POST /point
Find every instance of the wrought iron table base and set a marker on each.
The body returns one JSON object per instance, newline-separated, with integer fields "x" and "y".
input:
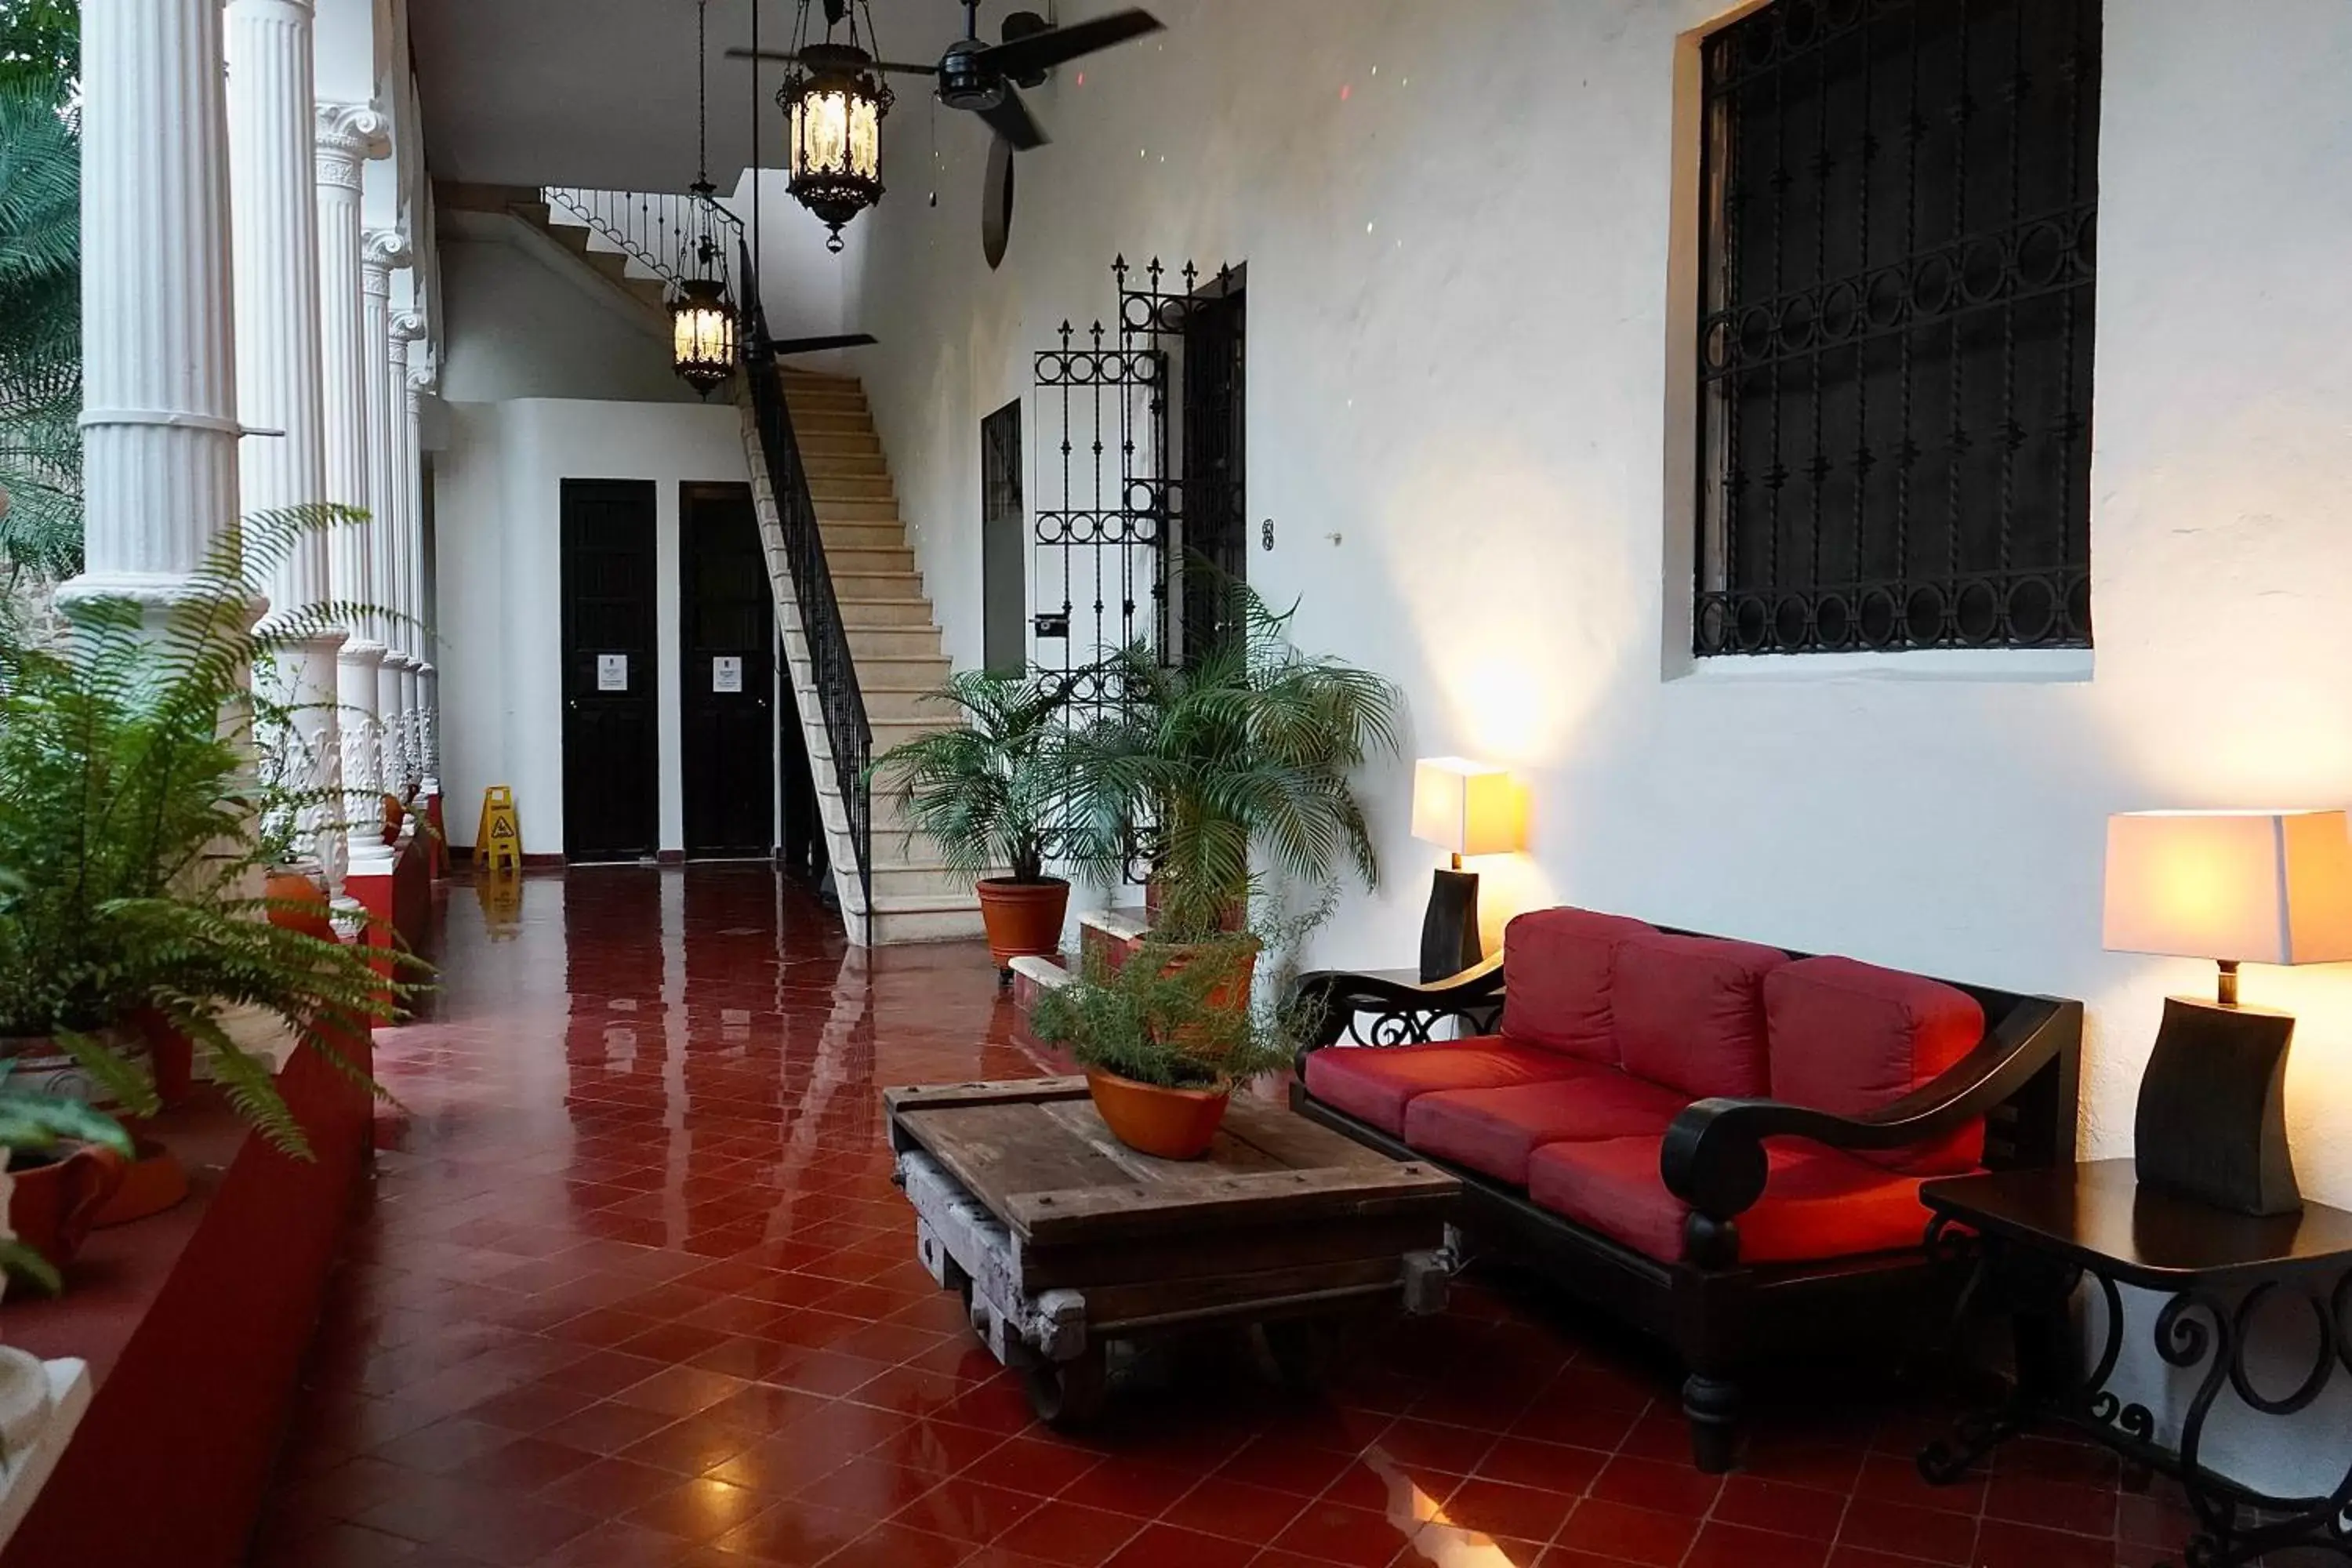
{"x": 2196, "y": 1326}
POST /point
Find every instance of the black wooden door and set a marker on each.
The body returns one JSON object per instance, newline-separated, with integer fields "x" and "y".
{"x": 727, "y": 660}
{"x": 1216, "y": 451}
{"x": 1004, "y": 545}
{"x": 610, "y": 769}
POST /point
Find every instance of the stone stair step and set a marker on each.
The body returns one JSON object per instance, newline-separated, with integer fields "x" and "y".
{"x": 830, "y": 510}
{"x": 876, "y": 642}
{"x": 864, "y": 536}
{"x": 858, "y": 586}
{"x": 914, "y": 921}
{"x": 864, "y": 560}
{"x": 834, "y": 484}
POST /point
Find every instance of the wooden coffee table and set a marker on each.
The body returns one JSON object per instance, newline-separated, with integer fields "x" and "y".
{"x": 1062, "y": 1239}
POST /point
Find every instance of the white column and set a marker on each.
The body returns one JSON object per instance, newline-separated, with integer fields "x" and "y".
{"x": 382, "y": 250}
{"x": 159, "y": 413}
{"x": 408, "y": 543}
{"x": 274, "y": 202}
{"x": 348, "y": 135}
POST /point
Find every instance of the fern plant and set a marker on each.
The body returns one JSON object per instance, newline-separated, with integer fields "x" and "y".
{"x": 130, "y": 811}
{"x": 1248, "y": 748}
{"x": 1168, "y": 1016}
{"x": 990, "y": 791}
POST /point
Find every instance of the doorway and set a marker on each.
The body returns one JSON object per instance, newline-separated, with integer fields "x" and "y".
{"x": 611, "y": 754}
{"x": 1004, "y": 545}
{"x": 1215, "y": 470}
{"x": 727, "y": 642}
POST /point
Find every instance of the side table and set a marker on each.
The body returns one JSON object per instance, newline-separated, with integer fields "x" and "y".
{"x": 2038, "y": 1235}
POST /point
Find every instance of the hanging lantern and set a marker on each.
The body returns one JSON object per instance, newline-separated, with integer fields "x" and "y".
{"x": 833, "y": 103}
{"x": 702, "y": 333}
{"x": 701, "y": 316}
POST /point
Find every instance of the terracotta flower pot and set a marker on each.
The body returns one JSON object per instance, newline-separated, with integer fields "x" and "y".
{"x": 1169, "y": 1123}
{"x": 171, "y": 1056}
{"x": 1023, "y": 919}
{"x": 56, "y": 1201}
{"x": 297, "y": 902}
{"x": 1233, "y": 918}
{"x": 152, "y": 1182}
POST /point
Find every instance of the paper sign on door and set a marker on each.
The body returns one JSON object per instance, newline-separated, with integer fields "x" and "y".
{"x": 727, "y": 672}
{"x": 612, "y": 673}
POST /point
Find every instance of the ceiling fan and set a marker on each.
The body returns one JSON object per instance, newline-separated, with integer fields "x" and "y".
{"x": 985, "y": 79}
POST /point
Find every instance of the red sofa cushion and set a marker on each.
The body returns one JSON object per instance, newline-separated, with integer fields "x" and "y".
{"x": 1556, "y": 970}
{"x": 1689, "y": 1012}
{"x": 1817, "y": 1203}
{"x": 1375, "y": 1083}
{"x": 1849, "y": 1037}
{"x": 1493, "y": 1131}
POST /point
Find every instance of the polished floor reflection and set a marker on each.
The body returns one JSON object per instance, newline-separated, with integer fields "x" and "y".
{"x": 633, "y": 1290}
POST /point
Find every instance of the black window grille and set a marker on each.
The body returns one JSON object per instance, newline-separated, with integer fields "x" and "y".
{"x": 1898, "y": 244}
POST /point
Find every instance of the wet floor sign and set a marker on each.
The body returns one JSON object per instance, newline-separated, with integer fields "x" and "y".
{"x": 497, "y": 843}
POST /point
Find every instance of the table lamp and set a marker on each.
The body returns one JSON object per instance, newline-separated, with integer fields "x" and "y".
{"x": 1470, "y": 808}
{"x": 2237, "y": 887}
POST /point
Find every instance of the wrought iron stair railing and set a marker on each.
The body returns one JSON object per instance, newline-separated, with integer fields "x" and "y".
{"x": 849, "y": 732}
{"x": 658, "y": 231}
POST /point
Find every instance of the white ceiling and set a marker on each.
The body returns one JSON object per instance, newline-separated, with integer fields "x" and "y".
{"x": 602, "y": 92}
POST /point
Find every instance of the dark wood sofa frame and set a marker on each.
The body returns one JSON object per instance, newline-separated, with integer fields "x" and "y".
{"x": 1721, "y": 1317}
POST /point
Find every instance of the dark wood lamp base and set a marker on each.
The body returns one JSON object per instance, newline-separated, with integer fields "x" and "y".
{"x": 2212, "y": 1108}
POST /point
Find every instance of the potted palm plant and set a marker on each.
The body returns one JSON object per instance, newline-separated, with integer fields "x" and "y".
{"x": 132, "y": 817}
{"x": 1245, "y": 750}
{"x": 1162, "y": 1040}
{"x": 988, "y": 792}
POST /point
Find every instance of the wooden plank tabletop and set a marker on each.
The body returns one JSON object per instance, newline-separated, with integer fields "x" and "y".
{"x": 1037, "y": 1154}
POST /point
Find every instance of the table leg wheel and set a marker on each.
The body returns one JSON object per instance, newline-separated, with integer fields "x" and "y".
{"x": 1069, "y": 1393}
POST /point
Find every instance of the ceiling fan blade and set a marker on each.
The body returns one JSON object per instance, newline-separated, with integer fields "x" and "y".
{"x": 818, "y": 345}
{"x": 1042, "y": 51}
{"x": 902, "y": 68}
{"x": 1012, "y": 120}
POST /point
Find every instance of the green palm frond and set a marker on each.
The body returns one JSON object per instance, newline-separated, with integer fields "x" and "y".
{"x": 1247, "y": 751}
{"x": 990, "y": 789}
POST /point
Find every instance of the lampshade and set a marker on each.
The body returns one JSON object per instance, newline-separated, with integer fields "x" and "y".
{"x": 1469, "y": 807}
{"x": 2251, "y": 887}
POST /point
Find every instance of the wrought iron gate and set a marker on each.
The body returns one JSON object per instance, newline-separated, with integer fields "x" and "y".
{"x": 1127, "y": 491}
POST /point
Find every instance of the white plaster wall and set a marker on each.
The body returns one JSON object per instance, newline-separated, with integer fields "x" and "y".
{"x": 522, "y": 324}
{"x": 497, "y": 495}
{"x": 1456, "y": 227}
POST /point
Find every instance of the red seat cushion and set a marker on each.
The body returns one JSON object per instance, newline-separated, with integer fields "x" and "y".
{"x": 1689, "y": 1012}
{"x": 1556, "y": 969}
{"x": 1817, "y": 1203}
{"x": 1375, "y": 1083}
{"x": 1849, "y": 1037}
{"x": 1493, "y": 1131}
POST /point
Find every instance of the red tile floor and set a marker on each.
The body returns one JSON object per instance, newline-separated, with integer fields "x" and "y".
{"x": 633, "y": 1290}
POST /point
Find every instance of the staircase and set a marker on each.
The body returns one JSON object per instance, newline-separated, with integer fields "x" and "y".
{"x": 567, "y": 229}
{"x": 893, "y": 642}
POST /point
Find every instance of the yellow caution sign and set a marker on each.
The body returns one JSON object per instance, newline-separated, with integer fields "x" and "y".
{"x": 497, "y": 843}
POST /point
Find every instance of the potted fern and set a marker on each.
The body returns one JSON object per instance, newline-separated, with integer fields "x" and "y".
{"x": 1245, "y": 750}
{"x": 1165, "y": 1035}
{"x": 988, "y": 792}
{"x": 132, "y": 817}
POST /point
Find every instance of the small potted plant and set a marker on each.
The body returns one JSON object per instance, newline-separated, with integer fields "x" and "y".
{"x": 988, "y": 792}
{"x": 1165, "y": 1034}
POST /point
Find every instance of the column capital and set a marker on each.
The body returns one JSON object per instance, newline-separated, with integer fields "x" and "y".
{"x": 348, "y": 134}
{"x": 381, "y": 251}
{"x": 407, "y": 326}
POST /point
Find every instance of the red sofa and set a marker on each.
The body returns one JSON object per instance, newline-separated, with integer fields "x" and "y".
{"x": 1722, "y": 1142}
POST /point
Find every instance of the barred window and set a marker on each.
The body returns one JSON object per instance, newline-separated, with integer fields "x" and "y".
{"x": 1898, "y": 243}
